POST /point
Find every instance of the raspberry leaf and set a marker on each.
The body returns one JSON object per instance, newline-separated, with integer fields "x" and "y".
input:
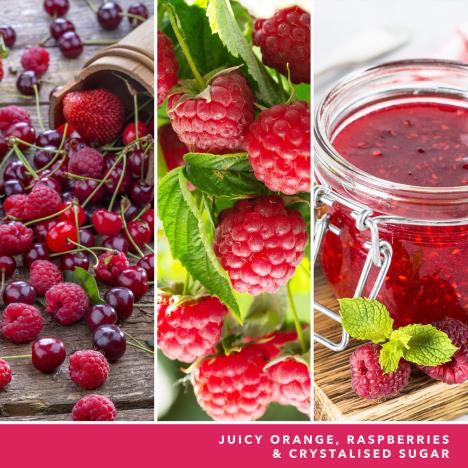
{"x": 87, "y": 282}
{"x": 223, "y": 176}
{"x": 427, "y": 346}
{"x": 366, "y": 319}
{"x": 189, "y": 241}
{"x": 390, "y": 356}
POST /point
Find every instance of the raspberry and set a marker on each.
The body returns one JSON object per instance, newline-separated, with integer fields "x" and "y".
{"x": 97, "y": 115}
{"x": 5, "y": 374}
{"x": 167, "y": 67}
{"x": 86, "y": 162}
{"x": 66, "y": 302}
{"x": 14, "y": 206}
{"x": 15, "y": 238}
{"x": 11, "y": 115}
{"x": 455, "y": 371}
{"x": 21, "y": 323}
{"x": 368, "y": 379}
{"x": 259, "y": 243}
{"x": 191, "y": 329}
{"x": 35, "y": 59}
{"x": 43, "y": 275}
{"x": 234, "y": 387}
{"x": 94, "y": 408}
{"x": 88, "y": 369}
{"x": 42, "y": 201}
{"x": 285, "y": 40}
{"x": 216, "y": 123}
{"x": 292, "y": 380}
{"x": 110, "y": 265}
{"x": 278, "y": 145}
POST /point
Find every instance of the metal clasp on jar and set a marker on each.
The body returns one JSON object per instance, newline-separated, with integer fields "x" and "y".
{"x": 379, "y": 253}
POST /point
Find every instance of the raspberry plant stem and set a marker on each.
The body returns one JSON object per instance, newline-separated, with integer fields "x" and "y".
{"x": 297, "y": 323}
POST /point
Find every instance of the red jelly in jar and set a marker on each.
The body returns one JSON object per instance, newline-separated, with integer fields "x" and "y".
{"x": 394, "y": 140}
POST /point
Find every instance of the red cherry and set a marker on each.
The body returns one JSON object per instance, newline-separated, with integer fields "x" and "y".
{"x": 100, "y": 314}
{"x": 106, "y": 222}
{"x": 139, "y": 232}
{"x": 135, "y": 279}
{"x": 148, "y": 217}
{"x": 147, "y": 263}
{"x": 69, "y": 216}
{"x": 74, "y": 259}
{"x": 23, "y": 131}
{"x": 87, "y": 238}
{"x": 130, "y": 132}
{"x": 138, "y": 163}
{"x": 48, "y": 354}
{"x": 116, "y": 243}
{"x": 7, "y": 266}
{"x": 19, "y": 291}
{"x": 111, "y": 341}
{"x": 39, "y": 251}
{"x": 141, "y": 193}
{"x": 57, "y": 237}
{"x": 121, "y": 299}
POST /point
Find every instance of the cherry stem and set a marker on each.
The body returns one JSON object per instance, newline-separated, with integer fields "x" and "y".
{"x": 86, "y": 249}
{"x": 135, "y": 342}
{"x": 145, "y": 304}
{"x": 135, "y": 107}
{"x": 140, "y": 213}
{"x": 46, "y": 218}
{"x": 38, "y": 109}
{"x": 45, "y": 40}
{"x": 5, "y": 159}
{"x": 143, "y": 348}
{"x": 131, "y": 15}
{"x": 297, "y": 322}
{"x": 149, "y": 248}
{"x": 130, "y": 238}
{"x": 82, "y": 248}
{"x": 91, "y": 5}
{"x": 19, "y": 356}
{"x": 25, "y": 162}
{"x": 117, "y": 189}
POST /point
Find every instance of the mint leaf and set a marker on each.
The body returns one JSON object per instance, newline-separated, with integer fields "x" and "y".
{"x": 366, "y": 319}
{"x": 189, "y": 240}
{"x": 390, "y": 356}
{"x": 223, "y": 176}
{"x": 428, "y": 346}
{"x": 87, "y": 281}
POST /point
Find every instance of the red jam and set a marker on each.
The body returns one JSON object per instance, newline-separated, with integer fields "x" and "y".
{"x": 418, "y": 144}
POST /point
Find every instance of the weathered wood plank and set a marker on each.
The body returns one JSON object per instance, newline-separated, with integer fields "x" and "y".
{"x": 122, "y": 415}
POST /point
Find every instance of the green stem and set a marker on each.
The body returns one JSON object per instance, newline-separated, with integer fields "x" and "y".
{"x": 19, "y": 356}
{"x": 135, "y": 107}
{"x": 24, "y": 160}
{"x": 38, "y": 110}
{"x": 86, "y": 249}
{"x": 297, "y": 323}
{"x": 46, "y": 218}
{"x": 91, "y": 5}
{"x": 117, "y": 189}
{"x": 129, "y": 236}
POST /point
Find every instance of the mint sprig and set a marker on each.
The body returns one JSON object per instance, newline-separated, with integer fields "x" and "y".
{"x": 369, "y": 320}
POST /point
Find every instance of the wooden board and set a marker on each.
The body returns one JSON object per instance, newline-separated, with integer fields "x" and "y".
{"x": 31, "y": 395}
{"x": 423, "y": 399}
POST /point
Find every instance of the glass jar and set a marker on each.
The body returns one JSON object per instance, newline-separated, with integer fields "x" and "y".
{"x": 424, "y": 229}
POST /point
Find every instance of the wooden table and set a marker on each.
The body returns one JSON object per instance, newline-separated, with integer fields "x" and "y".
{"x": 31, "y": 394}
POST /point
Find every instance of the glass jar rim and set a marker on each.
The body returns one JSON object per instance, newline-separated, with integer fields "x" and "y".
{"x": 332, "y": 160}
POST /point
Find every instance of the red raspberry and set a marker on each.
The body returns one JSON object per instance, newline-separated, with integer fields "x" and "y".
{"x": 86, "y": 162}
{"x": 292, "y": 380}
{"x": 167, "y": 67}
{"x": 110, "y": 265}
{"x": 15, "y": 238}
{"x": 5, "y": 374}
{"x": 66, "y": 302}
{"x": 368, "y": 379}
{"x": 455, "y": 371}
{"x": 259, "y": 243}
{"x": 278, "y": 145}
{"x": 234, "y": 387}
{"x": 285, "y": 39}
{"x": 88, "y": 369}
{"x": 42, "y": 201}
{"x": 216, "y": 123}
{"x": 94, "y": 408}
{"x": 14, "y": 206}
{"x": 191, "y": 329}
{"x": 21, "y": 323}
{"x": 35, "y": 59}
{"x": 97, "y": 115}
{"x": 43, "y": 275}
{"x": 11, "y": 115}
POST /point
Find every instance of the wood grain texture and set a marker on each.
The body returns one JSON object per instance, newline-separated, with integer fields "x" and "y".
{"x": 423, "y": 399}
{"x": 32, "y": 395}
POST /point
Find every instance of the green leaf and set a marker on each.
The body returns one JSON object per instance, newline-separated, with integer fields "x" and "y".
{"x": 366, "y": 319}
{"x": 223, "y": 176}
{"x": 87, "y": 281}
{"x": 223, "y": 22}
{"x": 187, "y": 236}
{"x": 428, "y": 346}
{"x": 390, "y": 356}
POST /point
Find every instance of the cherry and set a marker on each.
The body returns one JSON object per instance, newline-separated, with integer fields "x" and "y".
{"x": 114, "y": 178}
{"x": 23, "y": 131}
{"x": 17, "y": 170}
{"x": 51, "y": 181}
{"x": 74, "y": 259}
{"x": 109, "y": 15}
{"x": 87, "y": 238}
{"x": 39, "y": 251}
{"x": 116, "y": 243}
{"x": 148, "y": 217}
{"x": 13, "y": 187}
{"x": 135, "y": 279}
{"x": 26, "y": 82}
{"x": 57, "y": 237}
{"x": 48, "y": 354}
{"x": 110, "y": 340}
{"x": 138, "y": 162}
{"x": 129, "y": 134}
{"x": 139, "y": 232}
{"x": 58, "y": 168}
{"x": 74, "y": 210}
{"x": 131, "y": 212}
{"x": 60, "y": 26}
{"x": 70, "y": 45}
{"x": 106, "y": 222}
{"x": 49, "y": 138}
{"x": 43, "y": 156}
{"x": 19, "y": 291}
{"x": 147, "y": 263}
{"x": 41, "y": 229}
{"x": 56, "y": 7}
{"x": 9, "y": 36}
{"x": 141, "y": 193}
{"x": 101, "y": 314}
{"x": 137, "y": 9}
{"x": 7, "y": 266}
{"x": 83, "y": 188}
{"x": 70, "y": 129}
{"x": 122, "y": 300}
